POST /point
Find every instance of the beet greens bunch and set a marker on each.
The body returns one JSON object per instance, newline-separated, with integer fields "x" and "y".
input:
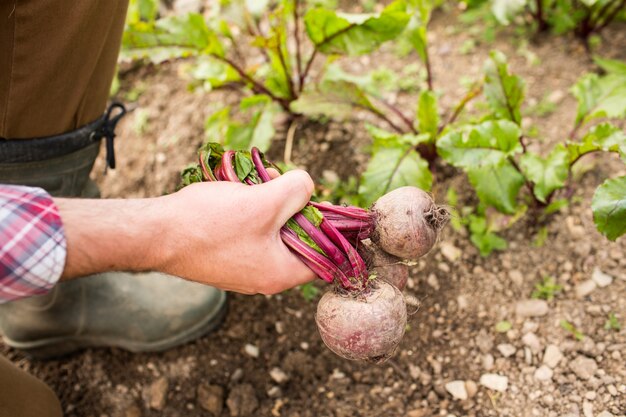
{"x": 364, "y": 318}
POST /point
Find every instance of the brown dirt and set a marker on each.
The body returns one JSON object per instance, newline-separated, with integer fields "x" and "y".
{"x": 451, "y": 336}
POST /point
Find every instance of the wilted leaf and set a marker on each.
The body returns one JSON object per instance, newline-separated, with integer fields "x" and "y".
{"x": 609, "y": 207}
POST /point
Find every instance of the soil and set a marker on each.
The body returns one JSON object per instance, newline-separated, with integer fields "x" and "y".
{"x": 460, "y": 295}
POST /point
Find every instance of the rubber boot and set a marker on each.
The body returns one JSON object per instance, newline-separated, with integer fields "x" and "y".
{"x": 137, "y": 312}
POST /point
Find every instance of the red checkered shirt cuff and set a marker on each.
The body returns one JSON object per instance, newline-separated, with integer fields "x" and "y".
{"x": 34, "y": 248}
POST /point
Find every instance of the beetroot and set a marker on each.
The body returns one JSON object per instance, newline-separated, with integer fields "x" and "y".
{"x": 407, "y": 222}
{"x": 364, "y": 317}
{"x": 404, "y": 222}
{"x": 363, "y": 326}
{"x": 384, "y": 266}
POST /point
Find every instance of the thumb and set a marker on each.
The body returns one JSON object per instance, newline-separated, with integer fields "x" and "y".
{"x": 287, "y": 194}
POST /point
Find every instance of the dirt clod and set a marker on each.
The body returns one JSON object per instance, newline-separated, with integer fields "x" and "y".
{"x": 157, "y": 393}
{"x": 242, "y": 401}
{"x": 211, "y": 398}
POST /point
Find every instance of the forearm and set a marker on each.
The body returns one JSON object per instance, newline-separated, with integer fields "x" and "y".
{"x": 105, "y": 235}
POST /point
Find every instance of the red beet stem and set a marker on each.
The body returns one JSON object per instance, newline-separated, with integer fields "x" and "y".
{"x": 319, "y": 264}
{"x": 358, "y": 266}
{"x": 258, "y": 164}
{"x": 227, "y": 167}
{"x": 326, "y": 245}
{"x": 206, "y": 171}
{"x": 350, "y": 212}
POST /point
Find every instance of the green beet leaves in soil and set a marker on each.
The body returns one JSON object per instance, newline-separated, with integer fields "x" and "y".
{"x": 394, "y": 164}
{"x": 170, "y": 37}
{"x": 609, "y": 207}
{"x": 354, "y": 34}
{"x": 600, "y": 97}
{"x": 336, "y": 99}
{"x": 488, "y": 143}
{"x": 504, "y": 91}
{"x": 547, "y": 174}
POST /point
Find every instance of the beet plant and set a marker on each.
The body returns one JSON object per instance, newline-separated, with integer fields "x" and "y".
{"x": 584, "y": 18}
{"x": 364, "y": 317}
{"x": 501, "y": 161}
{"x": 270, "y": 51}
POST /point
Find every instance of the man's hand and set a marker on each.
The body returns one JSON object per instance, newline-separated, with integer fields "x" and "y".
{"x": 218, "y": 233}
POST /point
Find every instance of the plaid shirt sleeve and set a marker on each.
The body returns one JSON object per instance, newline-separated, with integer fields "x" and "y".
{"x": 32, "y": 256}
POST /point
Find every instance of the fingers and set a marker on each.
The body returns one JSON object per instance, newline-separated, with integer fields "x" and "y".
{"x": 273, "y": 173}
{"x": 287, "y": 194}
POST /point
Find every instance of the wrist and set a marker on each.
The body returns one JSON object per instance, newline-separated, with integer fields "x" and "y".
{"x": 106, "y": 235}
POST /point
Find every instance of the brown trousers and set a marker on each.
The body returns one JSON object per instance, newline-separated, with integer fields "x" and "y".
{"x": 23, "y": 395}
{"x": 57, "y": 61}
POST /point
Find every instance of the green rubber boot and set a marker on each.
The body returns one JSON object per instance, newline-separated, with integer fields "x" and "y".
{"x": 136, "y": 312}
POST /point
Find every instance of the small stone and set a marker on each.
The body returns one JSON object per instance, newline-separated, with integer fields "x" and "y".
{"x": 457, "y": 390}
{"x": 587, "y": 409}
{"x": 543, "y": 373}
{"x": 462, "y": 301}
{"x": 450, "y": 252}
{"x": 471, "y": 388}
{"x": 506, "y": 349}
{"x": 600, "y": 278}
{"x": 422, "y": 412}
{"x": 484, "y": 341}
{"x": 574, "y": 228}
{"x": 531, "y": 308}
{"x": 552, "y": 356}
{"x": 433, "y": 281}
{"x": 516, "y": 277}
{"x": 590, "y": 395}
{"x": 488, "y": 362}
{"x": 337, "y": 374}
{"x": 242, "y": 401}
{"x": 494, "y": 382}
{"x": 274, "y": 392}
{"x": 251, "y": 350}
{"x": 583, "y": 367}
{"x": 612, "y": 390}
{"x": 211, "y": 398}
{"x": 237, "y": 375}
{"x": 157, "y": 393}
{"x": 532, "y": 341}
{"x": 585, "y": 288}
{"x": 605, "y": 414}
{"x": 436, "y": 365}
{"x": 414, "y": 371}
{"x": 278, "y": 375}
{"x": 280, "y": 327}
